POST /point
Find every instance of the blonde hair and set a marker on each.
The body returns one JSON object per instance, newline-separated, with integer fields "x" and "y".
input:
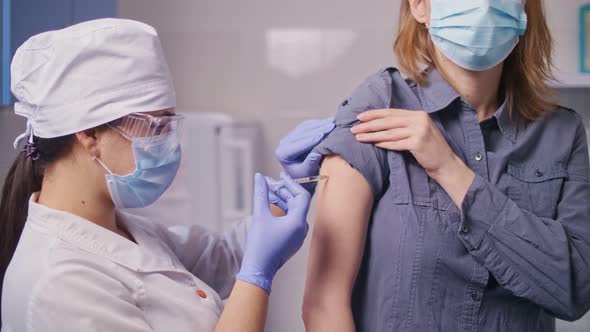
{"x": 527, "y": 70}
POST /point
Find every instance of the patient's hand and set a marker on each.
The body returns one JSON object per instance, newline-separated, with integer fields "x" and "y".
{"x": 414, "y": 131}
{"x": 402, "y": 130}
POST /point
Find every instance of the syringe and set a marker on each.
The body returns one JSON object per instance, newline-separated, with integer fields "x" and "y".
{"x": 309, "y": 179}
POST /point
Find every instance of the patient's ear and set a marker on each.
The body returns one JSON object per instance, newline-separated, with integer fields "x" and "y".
{"x": 420, "y": 10}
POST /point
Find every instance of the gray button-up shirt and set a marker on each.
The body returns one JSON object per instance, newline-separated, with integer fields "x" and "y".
{"x": 517, "y": 252}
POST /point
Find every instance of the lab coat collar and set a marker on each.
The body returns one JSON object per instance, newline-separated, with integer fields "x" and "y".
{"x": 146, "y": 255}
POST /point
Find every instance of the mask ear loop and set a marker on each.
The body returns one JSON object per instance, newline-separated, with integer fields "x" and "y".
{"x": 94, "y": 157}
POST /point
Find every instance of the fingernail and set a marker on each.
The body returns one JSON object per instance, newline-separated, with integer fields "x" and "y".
{"x": 354, "y": 129}
{"x": 361, "y": 116}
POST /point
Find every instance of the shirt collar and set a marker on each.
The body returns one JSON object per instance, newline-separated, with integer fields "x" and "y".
{"x": 142, "y": 256}
{"x": 508, "y": 126}
{"x": 438, "y": 94}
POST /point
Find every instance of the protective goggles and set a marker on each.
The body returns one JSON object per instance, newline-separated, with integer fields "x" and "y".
{"x": 140, "y": 125}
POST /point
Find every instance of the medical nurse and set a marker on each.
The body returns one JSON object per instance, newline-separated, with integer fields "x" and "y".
{"x": 102, "y": 136}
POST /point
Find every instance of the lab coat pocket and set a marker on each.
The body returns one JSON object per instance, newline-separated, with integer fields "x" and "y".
{"x": 174, "y": 300}
{"x": 536, "y": 186}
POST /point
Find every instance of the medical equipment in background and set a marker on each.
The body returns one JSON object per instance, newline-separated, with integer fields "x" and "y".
{"x": 213, "y": 187}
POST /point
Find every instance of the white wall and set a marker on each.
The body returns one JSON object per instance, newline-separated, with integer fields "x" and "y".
{"x": 278, "y": 62}
{"x": 259, "y": 59}
{"x": 563, "y": 18}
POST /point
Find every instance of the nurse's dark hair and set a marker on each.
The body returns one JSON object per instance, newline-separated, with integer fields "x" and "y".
{"x": 527, "y": 72}
{"x": 23, "y": 179}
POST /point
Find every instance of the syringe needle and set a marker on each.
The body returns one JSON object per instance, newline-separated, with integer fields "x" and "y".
{"x": 308, "y": 179}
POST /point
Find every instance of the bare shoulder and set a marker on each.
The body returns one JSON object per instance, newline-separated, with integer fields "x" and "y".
{"x": 343, "y": 179}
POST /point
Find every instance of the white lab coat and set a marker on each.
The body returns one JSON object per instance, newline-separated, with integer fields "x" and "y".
{"x": 69, "y": 274}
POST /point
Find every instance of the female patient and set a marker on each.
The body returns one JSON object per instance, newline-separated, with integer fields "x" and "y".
{"x": 458, "y": 199}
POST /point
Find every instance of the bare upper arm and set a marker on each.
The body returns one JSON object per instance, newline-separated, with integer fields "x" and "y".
{"x": 343, "y": 209}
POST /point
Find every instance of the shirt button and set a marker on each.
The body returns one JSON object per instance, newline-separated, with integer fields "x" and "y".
{"x": 345, "y": 102}
{"x": 539, "y": 173}
{"x": 464, "y": 229}
{"x": 201, "y": 294}
{"x": 478, "y": 156}
{"x": 475, "y": 296}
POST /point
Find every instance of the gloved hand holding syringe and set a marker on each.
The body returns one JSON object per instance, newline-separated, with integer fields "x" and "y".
{"x": 276, "y": 185}
{"x": 308, "y": 179}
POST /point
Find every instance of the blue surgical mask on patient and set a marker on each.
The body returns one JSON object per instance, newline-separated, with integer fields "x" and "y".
{"x": 157, "y": 160}
{"x": 477, "y": 34}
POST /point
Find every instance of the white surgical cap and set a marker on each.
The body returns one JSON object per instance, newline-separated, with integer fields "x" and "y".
{"x": 89, "y": 74}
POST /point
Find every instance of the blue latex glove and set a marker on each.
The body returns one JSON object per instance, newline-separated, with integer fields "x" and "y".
{"x": 294, "y": 149}
{"x": 273, "y": 240}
